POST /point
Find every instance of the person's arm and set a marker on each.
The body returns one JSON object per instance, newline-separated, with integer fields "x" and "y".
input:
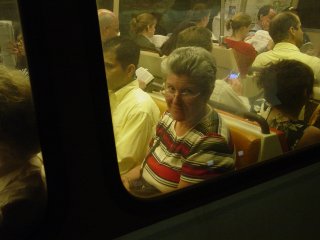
{"x": 316, "y": 69}
{"x": 133, "y": 174}
{"x": 213, "y": 158}
{"x": 132, "y": 142}
{"x": 311, "y": 135}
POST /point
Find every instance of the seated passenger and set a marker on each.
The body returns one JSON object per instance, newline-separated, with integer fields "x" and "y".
{"x": 22, "y": 187}
{"x": 196, "y": 37}
{"x": 287, "y": 87}
{"x": 244, "y": 52}
{"x": 169, "y": 45}
{"x": 307, "y": 46}
{"x": 108, "y": 23}
{"x": 285, "y": 30}
{"x": 192, "y": 142}
{"x": 134, "y": 113}
{"x": 227, "y": 91}
{"x": 199, "y": 14}
{"x": 259, "y": 36}
{"x": 142, "y": 29}
{"x": 264, "y": 16}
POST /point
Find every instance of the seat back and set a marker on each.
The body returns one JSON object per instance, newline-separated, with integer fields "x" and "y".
{"x": 250, "y": 143}
{"x": 160, "y": 101}
{"x": 244, "y": 62}
{"x": 225, "y": 61}
{"x": 152, "y": 62}
{"x": 250, "y": 86}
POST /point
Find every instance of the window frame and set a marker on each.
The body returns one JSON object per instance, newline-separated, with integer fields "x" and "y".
{"x": 82, "y": 176}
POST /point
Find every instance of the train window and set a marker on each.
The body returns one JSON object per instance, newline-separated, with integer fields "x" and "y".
{"x": 22, "y": 175}
{"x": 162, "y": 135}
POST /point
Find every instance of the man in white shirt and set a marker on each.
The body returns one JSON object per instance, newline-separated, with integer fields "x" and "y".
{"x": 259, "y": 36}
{"x": 265, "y": 15}
{"x": 285, "y": 30}
{"x": 134, "y": 113}
{"x": 108, "y": 23}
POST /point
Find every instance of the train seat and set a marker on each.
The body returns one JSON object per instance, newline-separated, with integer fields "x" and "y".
{"x": 225, "y": 60}
{"x": 159, "y": 100}
{"x": 247, "y": 147}
{"x": 152, "y": 62}
{"x": 251, "y": 143}
{"x": 316, "y": 93}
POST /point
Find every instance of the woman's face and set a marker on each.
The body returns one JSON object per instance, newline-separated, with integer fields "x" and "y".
{"x": 244, "y": 30}
{"x": 151, "y": 30}
{"x": 184, "y": 98}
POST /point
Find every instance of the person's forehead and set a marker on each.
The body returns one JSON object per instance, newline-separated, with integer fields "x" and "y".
{"x": 271, "y": 13}
{"x": 181, "y": 78}
{"x": 110, "y": 56}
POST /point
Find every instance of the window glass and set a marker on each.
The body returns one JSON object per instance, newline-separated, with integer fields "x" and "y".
{"x": 22, "y": 175}
{"x": 190, "y": 103}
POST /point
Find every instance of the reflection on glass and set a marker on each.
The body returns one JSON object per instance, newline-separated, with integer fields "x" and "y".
{"x": 171, "y": 160}
{"x": 22, "y": 176}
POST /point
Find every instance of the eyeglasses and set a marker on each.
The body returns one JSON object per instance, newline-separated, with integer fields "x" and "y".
{"x": 185, "y": 94}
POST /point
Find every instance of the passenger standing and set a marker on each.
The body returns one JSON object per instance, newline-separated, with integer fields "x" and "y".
{"x": 134, "y": 113}
{"x": 142, "y": 30}
{"x": 108, "y": 23}
{"x": 244, "y": 52}
{"x": 285, "y": 30}
{"x": 192, "y": 142}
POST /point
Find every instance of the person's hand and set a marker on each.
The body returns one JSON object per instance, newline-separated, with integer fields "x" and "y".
{"x": 16, "y": 48}
{"x": 126, "y": 182}
{"x": 236, "y": 85}
{"x": 12, "y": 48}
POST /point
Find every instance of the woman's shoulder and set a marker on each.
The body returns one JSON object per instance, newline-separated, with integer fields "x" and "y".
{"x": 213, "y": 126}
{"x": 241, "y": 46}
{"x": 144, "y": 43}
{"x": 311, "y": 135}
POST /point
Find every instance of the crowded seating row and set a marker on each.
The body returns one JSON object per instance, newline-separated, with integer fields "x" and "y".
{"x": 187, "y": 139}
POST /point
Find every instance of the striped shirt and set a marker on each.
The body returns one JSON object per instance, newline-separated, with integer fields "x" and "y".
{"x": 205, "y": 151}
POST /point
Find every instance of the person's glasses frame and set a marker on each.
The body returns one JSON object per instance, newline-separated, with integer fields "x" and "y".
{"x": 170, "y": 92}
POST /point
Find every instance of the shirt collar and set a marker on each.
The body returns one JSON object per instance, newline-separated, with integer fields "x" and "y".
{"x": 286, "y": 45}
{"x": 116, "y": 97}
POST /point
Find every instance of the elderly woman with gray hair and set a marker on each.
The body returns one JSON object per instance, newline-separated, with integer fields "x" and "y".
{"x": 192, "y": 143}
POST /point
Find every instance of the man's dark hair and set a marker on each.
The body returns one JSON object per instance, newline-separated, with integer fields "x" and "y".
{"x": 264, "y": 10}
{"x": 126, "y": 50}
{"x": 280, "y": 25}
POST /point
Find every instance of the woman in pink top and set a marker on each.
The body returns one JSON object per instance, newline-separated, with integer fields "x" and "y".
{"x": 244, "y": 52}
